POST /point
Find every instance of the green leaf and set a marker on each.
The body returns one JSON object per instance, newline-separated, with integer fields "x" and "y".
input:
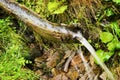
{"x": 100, "y": 55}
{"x": 107, "y": 56}
{"x": 109, "y": 12}
{"x": 52, "y": 6}
{"x": 111, "y": 46}
{"x": 118, "y": 53}
{"x": 103, "y": 56}
{"x": 118, "y": 45}
{"x": 117, "y": 31}
{"x": 114, "y": 25}
{"x": 106, "y": 37}
{"x": 117, "y": 1}
{"x": 56, "y": 7}
{"x": 60, "y": 10}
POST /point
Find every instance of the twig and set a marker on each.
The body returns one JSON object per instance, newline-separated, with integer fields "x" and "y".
{"x": 68, "y": 62}
{"x": 87, "y": 67}
{"x": 93, "y": 53}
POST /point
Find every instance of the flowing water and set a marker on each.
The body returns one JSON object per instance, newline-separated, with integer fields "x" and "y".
{"x": 29, "y": 16}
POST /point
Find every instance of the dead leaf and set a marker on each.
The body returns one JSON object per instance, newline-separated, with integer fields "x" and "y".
{"x": 76, "y": 60}
{"x": 55, "y": 72}
{"x": 39, "y": 72}
{"x": 91, "y": 60}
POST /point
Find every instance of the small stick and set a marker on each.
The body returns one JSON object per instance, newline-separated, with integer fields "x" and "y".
{"x": 68, "y": 62}
{"x": 87, "y": 67}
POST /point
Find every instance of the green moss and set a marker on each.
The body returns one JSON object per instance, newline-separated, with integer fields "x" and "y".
{"x": 12, "y": 54}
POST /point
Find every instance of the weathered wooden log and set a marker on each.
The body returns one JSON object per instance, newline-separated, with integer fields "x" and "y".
{"x": 44, "y": 28}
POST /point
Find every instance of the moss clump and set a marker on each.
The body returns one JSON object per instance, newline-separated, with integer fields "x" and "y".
{"x": 12, "y": 54}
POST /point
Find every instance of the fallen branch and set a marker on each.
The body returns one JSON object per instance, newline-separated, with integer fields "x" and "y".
{"x": 44, "y": 28}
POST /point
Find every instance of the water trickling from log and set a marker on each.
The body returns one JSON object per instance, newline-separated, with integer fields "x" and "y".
{"x": 29, "y": 16}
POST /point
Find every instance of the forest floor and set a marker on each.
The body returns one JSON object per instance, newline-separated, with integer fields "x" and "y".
{"x": 63, "y": 61}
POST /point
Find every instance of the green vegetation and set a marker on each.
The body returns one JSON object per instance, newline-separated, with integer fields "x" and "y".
{"x": 48, "y": 9}
{"x": 106, "y": 37}
{"x": 110, "y": 36}
{"x": 111, "y": 40}
{"x": 56, "y": 7}
{"x": 107, "y": 43}
{"x": 12, "y": 54}
{"x": 117, "y": 1}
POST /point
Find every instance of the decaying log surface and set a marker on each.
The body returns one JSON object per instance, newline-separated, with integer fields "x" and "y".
{"x": 44, "y": 28}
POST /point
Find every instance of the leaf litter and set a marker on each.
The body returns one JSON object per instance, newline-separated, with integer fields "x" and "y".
{"x": 67, "y": 64}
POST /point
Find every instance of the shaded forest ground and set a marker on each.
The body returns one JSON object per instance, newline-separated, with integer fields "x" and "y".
{"x": 91, "y": 18}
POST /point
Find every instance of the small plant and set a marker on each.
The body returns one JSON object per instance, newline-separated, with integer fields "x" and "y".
{"x": 111, "y": 40}
{"x": 106, "y": 37}
{"x": 56, "y": 7}
{"x": 116, "y": 1}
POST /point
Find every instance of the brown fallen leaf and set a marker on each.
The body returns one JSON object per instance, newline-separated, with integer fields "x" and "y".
{"x": 76, "y": 60}
{"x": 92, "y": 60}
{"x": 55, "y": 72}
{"x": 38, "y": 72}
{"x": 78, "y": 64}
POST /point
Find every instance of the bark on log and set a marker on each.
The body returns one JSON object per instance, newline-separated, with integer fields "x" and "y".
{"x": 44, "y": 28}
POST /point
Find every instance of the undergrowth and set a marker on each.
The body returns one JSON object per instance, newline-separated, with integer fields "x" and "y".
{"x": 12, "y": 54}
{"x": 110, "y": 35}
